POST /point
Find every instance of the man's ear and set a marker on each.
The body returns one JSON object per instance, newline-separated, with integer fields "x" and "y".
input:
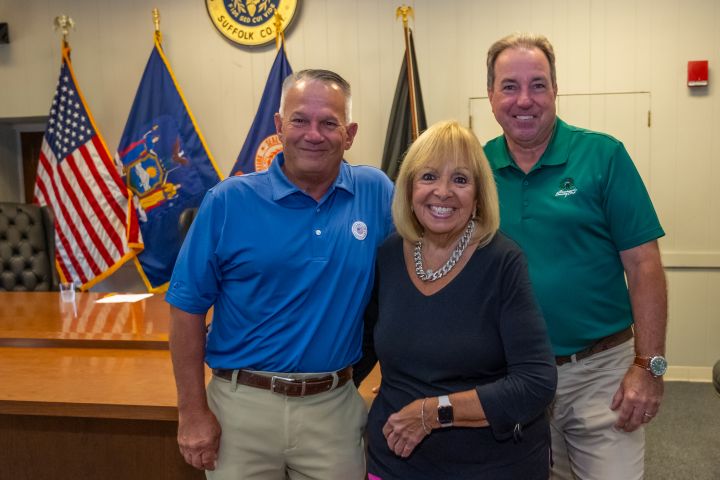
{"x": 351, "y": 130}
{"x": 278, "y": 124}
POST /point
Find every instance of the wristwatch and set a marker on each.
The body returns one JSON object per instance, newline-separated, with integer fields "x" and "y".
{"x": 445, "y": 415}
{"x": 656, "y": 365}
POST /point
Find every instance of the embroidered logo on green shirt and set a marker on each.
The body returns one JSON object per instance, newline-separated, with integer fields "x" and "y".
{"x": 567, "y": 187}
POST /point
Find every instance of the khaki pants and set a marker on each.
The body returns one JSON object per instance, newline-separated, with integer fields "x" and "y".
{"x": 585, "y": 443}
{"x": 267, "y": 436}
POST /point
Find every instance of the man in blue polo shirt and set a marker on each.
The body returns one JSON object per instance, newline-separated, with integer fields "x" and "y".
{"x": 286, "y": 259}
{"x": 575, "y": 203}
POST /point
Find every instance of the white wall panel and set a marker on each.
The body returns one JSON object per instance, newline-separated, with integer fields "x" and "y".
{"x": 694, "y": 329}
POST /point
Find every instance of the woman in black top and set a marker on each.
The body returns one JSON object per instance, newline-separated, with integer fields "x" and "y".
{"x": 467, "y": 370}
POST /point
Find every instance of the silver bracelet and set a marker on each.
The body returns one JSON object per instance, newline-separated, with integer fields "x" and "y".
{"x": 422, "y": 418}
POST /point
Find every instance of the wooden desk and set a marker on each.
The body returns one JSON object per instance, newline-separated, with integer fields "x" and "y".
{"x": 87, "y": 382}
{"x": 370, "y": 382}
{"x": 40, "y": 319}
{"x": 93, "y": 413}
{"x": 105, "y": 410}
{"x": 88, "y": 413}
{"x": 97, "y": 411}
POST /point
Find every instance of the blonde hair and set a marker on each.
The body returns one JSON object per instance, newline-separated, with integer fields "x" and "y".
{"x": 451, "y": 142}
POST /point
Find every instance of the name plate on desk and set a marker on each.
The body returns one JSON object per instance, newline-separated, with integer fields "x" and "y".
{"x": 124, "y": 297}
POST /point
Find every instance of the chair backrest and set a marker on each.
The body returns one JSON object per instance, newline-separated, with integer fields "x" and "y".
{"x": 27, "y": 248}
{"x": 186, "y": 219}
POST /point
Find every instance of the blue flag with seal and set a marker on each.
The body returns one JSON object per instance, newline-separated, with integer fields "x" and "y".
{"x": 262, "y": 143}
{"x": 166, "y": 164}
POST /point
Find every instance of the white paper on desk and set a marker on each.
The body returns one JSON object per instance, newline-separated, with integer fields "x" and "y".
{"x": 124, "y": 298}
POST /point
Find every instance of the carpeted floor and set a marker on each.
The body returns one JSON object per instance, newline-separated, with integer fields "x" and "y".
{"x": 683, "y": 442}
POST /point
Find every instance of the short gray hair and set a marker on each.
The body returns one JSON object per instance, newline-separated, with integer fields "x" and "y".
{"x": 325, "y": 76}
{"x": 520, "y": 40}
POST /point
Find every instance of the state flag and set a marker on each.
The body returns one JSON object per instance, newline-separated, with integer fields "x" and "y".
{"x": 166, "y": 164}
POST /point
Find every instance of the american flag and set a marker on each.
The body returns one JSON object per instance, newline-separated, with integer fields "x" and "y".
{"x": 94, "y": 230}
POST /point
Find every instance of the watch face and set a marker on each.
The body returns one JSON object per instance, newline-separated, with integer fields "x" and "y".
{"x": 658, "y": 366}
{"x": 445, "y": 415}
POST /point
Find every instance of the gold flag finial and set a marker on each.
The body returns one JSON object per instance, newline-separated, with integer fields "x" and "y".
{"x": 404, "y": 12}
{"x": 156, "y": 22}
{"x": 279, "y": 34}
{"x": 64, "y": 24}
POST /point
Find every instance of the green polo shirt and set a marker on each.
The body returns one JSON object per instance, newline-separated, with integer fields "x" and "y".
{"x": 580, "y": 205}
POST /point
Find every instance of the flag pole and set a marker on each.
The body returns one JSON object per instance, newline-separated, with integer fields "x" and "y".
{"x": 405, "y": 11}
{"x": 279, "y": 34}
{"x": 156, "y": 22}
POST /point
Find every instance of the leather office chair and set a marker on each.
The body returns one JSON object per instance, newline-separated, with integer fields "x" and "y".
{"x": 185, "y": 220}
{"x": 27, "y": 248}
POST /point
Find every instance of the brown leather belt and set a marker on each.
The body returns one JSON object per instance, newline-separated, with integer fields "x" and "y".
{"x": 292, "y": 387}
{"x": 601, "y": 345}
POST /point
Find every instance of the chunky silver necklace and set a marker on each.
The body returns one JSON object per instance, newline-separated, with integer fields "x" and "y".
{"x": 430, "y": 276}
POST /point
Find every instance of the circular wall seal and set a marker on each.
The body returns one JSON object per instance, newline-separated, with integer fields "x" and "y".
{"x": 250, "y": 22}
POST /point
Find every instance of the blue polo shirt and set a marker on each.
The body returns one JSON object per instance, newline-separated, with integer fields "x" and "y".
{"x": 579, "y": 206}
{"x": 289, "y": 277}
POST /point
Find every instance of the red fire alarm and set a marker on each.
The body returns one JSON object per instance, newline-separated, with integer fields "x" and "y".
{"x": 697, "y": 73}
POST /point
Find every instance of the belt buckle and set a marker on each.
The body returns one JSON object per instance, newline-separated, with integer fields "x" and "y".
{"x": 285, "y": 381}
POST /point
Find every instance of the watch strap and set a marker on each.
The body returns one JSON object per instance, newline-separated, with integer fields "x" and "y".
{"x": 642, "y": 362}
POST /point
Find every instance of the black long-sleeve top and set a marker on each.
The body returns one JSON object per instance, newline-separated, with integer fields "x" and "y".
{"x": 482, "y": 331}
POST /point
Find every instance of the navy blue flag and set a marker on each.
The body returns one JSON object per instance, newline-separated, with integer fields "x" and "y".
{"x": 166, "y": 164}
{"x": 262, "y": 143}
{"x": 400, "y": 132}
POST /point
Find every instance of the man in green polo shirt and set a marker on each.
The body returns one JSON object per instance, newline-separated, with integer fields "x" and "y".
{"x": 577, "y": 206}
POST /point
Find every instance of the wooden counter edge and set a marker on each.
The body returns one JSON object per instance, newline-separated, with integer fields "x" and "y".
{"x": 37, "y": 342}
{"x": 89, "y": 410}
